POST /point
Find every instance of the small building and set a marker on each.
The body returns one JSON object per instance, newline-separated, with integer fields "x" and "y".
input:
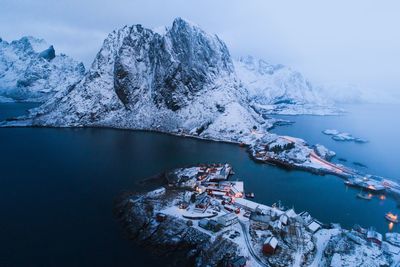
{"x": 203, "y": 223}
{"x": 183, "y": 205}
{"x": 237, "y": 262}
{"x": 246, "y": 204}
{"x": 236, "y": 189}
{"x": 222, "y": 173}
{"x": 214, "y": 226}
{"x": 291, "y": 214}
{"x": 266, "y": 219}
{"x": 232, "y": 208}
{"x": 270, "y": 245}
{"x": 160, "y": 217}
{"x": 374, "y": 237}
{"x": 305, "y": 217}
{"x": 284, "y": 219}
{"x": 277, "y": 226}
{"x": 227, "y": 219}
{"x": 217, "y": 194}
{"x": 314, "y": 226}
{"x": 202, "y": 201}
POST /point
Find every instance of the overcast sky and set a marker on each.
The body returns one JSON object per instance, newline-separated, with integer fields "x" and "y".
{"x": 344, "y": 42}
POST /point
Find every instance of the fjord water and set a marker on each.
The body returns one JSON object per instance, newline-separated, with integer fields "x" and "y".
{"x": 378, "y": 124}
{"x": 57, "y": 187}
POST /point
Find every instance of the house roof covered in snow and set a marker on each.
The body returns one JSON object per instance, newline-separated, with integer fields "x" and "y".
{"x": 314, "y": 226}
{"x": 291, "y": 213}
{"x": 271, "y": 241}
{"x": 371, "y": 234}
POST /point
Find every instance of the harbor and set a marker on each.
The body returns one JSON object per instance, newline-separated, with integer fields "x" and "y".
{"x": 206, "y": 199}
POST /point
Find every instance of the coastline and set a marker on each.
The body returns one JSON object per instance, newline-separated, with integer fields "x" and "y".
{"x": 251, "y": 148}
{"x": 157, "y": 221}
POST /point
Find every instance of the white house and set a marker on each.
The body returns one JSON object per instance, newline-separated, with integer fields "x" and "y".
{"x": 227, "y": 219}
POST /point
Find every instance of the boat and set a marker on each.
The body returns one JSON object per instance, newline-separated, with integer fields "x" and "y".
{"x": 392, "y": 217}
{"x": 350, "y": 183}
{"x": 365, "y": 196}
{"x": 249, "y": 195}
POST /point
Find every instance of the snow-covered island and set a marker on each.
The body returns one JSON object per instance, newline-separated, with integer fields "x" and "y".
{"x": 343, "y": 136}
{"x": 200, "y": 218}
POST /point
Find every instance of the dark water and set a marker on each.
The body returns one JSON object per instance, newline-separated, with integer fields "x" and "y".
{"x": 57, "y": 187}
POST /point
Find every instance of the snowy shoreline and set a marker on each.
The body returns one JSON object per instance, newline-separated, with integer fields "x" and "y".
{"x": 158, "y": 220}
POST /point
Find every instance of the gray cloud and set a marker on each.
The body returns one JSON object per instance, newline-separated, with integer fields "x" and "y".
{"x": 355, "y": 42}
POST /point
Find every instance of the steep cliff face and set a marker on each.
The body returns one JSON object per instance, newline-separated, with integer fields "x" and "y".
{"x": 173, "y": 67}
{"x": 180, "y": 81}
{"x": 30, "y": 70}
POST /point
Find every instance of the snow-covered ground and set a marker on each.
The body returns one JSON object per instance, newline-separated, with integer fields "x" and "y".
{"x": 277, "y": 89}
{"x": 30, "y": 70}
{"x": 300, "y": 239}
{"x": 342, "y": 136}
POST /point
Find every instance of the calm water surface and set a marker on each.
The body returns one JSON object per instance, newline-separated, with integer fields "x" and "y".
{"x": 57, "y": 187}
{"x": 376, "y": 123}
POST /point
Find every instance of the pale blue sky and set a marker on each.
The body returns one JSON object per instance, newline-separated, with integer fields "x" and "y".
{"x": 356, "y": 42}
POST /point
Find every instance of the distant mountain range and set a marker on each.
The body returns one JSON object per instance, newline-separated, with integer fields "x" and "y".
{"x": 30, "y": 70}
{"x": 180, "y": 80}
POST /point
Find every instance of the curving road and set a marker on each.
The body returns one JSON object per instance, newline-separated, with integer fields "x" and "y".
{"x": 250, "y": 247}
{"x": 335, "y": 168}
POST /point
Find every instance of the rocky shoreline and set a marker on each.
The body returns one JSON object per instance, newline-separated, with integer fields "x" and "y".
{"x": 156, "y": 221}
{"x": 172, "y": 239}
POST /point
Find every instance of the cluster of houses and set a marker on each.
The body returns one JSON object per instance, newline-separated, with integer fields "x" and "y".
{"x": 212, "y": 202}
{"x": 278, "y": 222}
{"x": 361, "y": 236}
{"x": 216, "y": 203}
{"x": 214, "y": 172}
{"x": 217, "y": 224}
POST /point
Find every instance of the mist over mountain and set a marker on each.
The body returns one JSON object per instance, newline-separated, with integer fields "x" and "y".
{"x": 182, "y": 80}
{"x": 30, "y": 70}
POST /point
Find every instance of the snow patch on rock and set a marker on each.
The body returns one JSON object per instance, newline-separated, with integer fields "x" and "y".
{"x": 31, "y": 71}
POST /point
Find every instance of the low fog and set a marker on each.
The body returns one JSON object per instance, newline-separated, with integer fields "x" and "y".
{"x": 349, "y": 48}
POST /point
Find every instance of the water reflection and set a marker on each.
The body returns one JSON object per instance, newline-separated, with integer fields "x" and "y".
{"x": 391, "y": 226}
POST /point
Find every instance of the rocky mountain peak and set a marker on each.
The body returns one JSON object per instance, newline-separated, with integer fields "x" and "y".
{"x": 48, "y": 54}
{"x": 171, "y": 67}
{"x": 179, "y": 79}
{"x": 30, "y": 70}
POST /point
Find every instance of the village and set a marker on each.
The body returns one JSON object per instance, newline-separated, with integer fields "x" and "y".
{"x": 266, "y": 235}
{"x": 291, "y": 152}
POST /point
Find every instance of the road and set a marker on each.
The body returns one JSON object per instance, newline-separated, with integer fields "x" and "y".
{"x": 314, "y": 157}
{"x": 250, "y": 247}
{"x": 329, "y": 165}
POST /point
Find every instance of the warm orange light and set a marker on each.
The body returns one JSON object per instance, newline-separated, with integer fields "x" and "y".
{"x": 371, "y": 187}
{"x": 238, "y": 195}
{"x": 382, "y": 197}
{"x": 390, "y": 226}
{"x": 370, "y": 195}
{"x": 392, "y": 216}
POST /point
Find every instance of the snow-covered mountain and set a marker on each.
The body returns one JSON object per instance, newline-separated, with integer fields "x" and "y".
{"x": 30, "y": 70}
{"x": 279, "y": 89}
{"x": 180, "y": 80}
